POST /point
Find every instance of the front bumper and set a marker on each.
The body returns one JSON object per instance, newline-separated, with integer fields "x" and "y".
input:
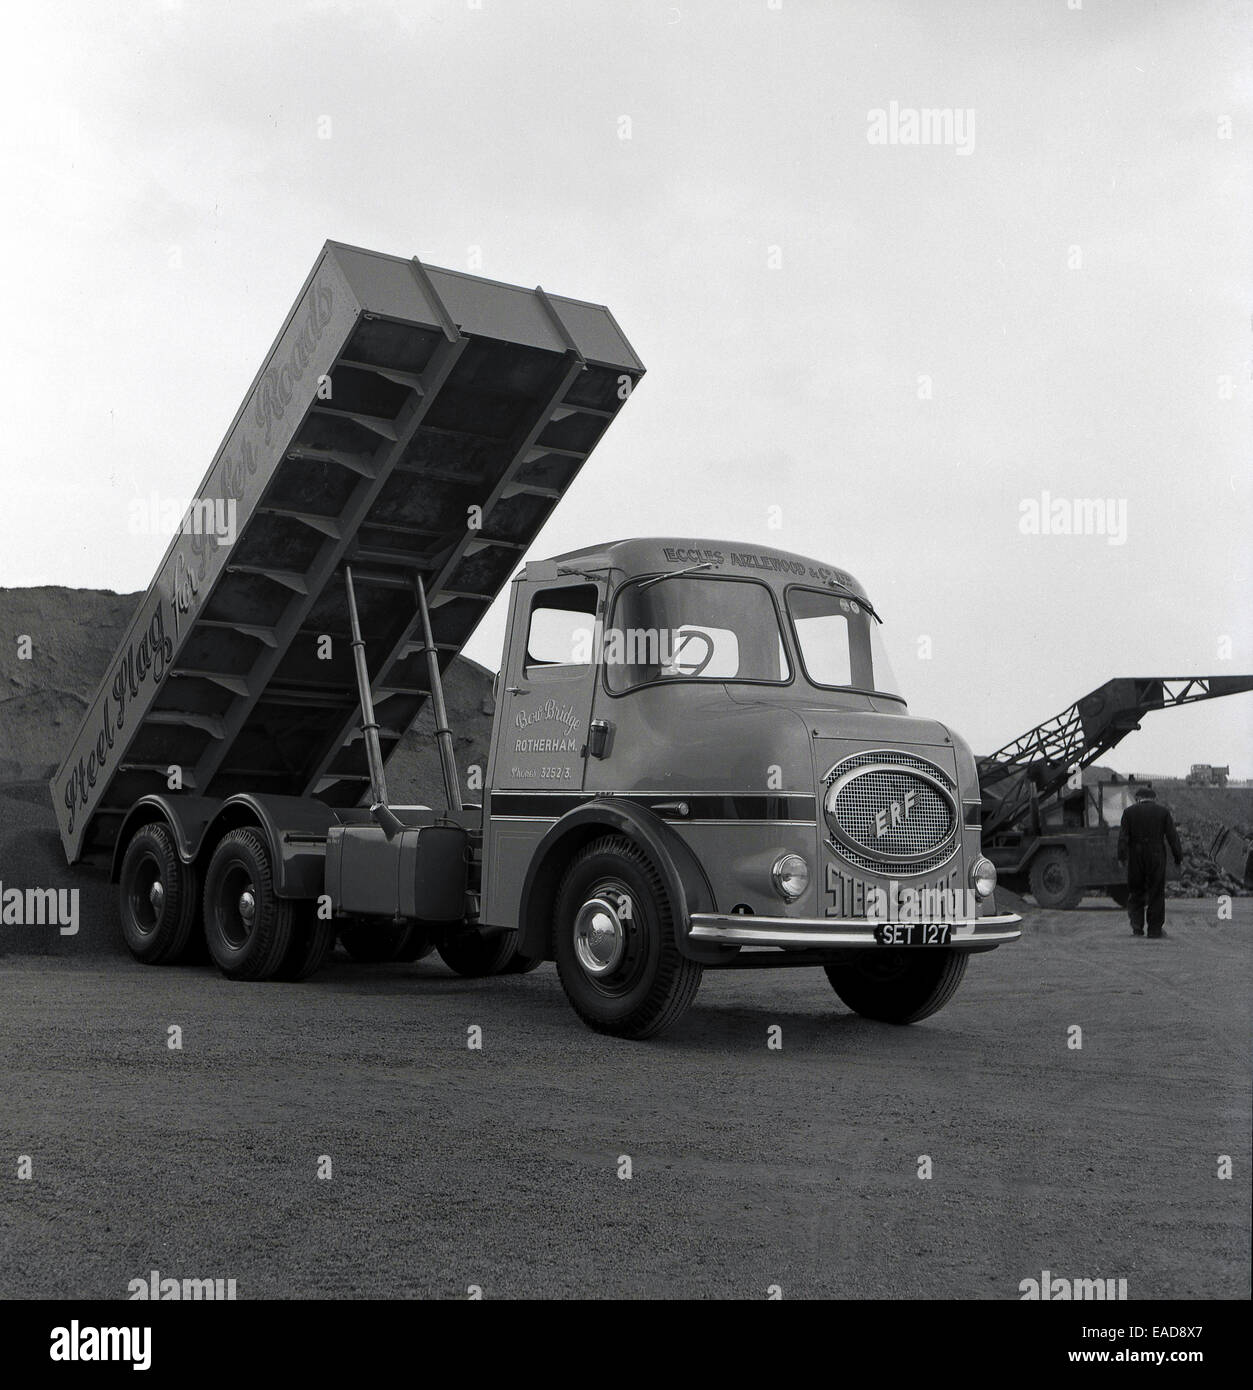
{"x": 730, "y": 930}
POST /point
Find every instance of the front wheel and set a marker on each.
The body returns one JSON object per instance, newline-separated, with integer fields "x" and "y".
{"x": 614, "y": 943}
{"x": 248, "y": 927}
{"x": 901, "y": 984}
{"x": 1054, "y": 882}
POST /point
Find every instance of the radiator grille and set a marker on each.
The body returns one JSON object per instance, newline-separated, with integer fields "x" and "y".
{"x": 924, "y": 821}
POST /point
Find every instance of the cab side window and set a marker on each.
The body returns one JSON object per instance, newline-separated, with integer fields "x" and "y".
{"x": 561, "y": 632}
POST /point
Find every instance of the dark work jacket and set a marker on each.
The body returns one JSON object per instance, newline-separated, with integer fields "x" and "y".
{"x": 1145, "y": 825}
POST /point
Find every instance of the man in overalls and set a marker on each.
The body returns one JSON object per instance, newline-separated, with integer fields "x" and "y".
{"x": 1146, "y": 830}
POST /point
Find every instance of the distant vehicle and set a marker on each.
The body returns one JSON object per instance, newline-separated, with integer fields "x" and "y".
{"x": 1042, "y": 828}
{"x": 1207, "y": 775}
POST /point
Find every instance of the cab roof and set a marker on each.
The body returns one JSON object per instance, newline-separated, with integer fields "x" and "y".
{"x": 665, "y": 554}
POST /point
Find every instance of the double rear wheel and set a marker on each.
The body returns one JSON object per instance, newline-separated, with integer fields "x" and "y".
{"x": 252, "y": 933}
{"x": 158, "y": 899}
{"x": 473, "y": 956}
{"x": 382, "y": 942}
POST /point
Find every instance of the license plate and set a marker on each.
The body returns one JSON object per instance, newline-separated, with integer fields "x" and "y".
{"x": 913, "y": 934}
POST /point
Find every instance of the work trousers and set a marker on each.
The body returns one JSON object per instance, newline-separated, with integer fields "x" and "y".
{"x": 1146, "y": 884}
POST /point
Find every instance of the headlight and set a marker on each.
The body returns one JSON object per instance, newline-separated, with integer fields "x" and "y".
{"x": 983, "y": 877}
{"x": 790, "y": 876}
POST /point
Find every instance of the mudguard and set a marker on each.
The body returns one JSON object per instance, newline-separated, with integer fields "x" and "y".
{"x": 294, "y": 828}
{"x": 186, "y": 816}
{"x": 686, "y": 886}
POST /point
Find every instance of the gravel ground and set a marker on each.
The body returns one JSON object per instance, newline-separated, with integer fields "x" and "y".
{"x": 500, "y": 1168}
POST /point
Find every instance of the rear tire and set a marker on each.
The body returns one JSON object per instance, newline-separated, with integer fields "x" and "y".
{"x": 312, "y": 941}
{"x": 1120, "y": 893}
{"x": 901, "y": 984}
{"x": 416, "y": 944}
{"x": 247, "y": 925}
{"x": 381, "y": 943}
{"x": 1053, "y": 881}
{"x": 475, "y": 956}
{"x": 614, "y": 943}
{"x": 158, "y": 898}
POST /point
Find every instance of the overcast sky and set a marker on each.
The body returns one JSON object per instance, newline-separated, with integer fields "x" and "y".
{"x": 898, "y": 345}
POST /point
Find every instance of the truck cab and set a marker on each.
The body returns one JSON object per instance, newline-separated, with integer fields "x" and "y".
{"x": 702, "y": 758}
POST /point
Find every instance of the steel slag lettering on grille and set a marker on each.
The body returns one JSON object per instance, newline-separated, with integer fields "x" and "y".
{"x": 937, "y": 899}
{"x": 900, "y": 815}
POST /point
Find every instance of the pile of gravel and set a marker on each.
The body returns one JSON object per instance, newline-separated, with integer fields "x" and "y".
{"x": 31, "y": 857}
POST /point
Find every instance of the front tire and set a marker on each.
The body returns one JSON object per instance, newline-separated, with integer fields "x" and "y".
{"x": 158, "y": 898}
{"x": 1053, "y": 880}
{"x": 614, "y": 943}
{"x": 248, "y": 927}
{"x": 902, "y": 984}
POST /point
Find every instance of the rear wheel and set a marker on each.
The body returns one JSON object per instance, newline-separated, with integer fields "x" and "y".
{"x": 1053, "y": 880}
{"x": 414, "y": 945}
{"x": 380, "y": 943}
{"x": 614, "y": 943}
{"x": 312, "y": 941}
{"x": 247, "y": 925}
{"x": 474, "y": 956}
{"x": 898, "y": 984}
{"x": 158, "y": 898}
{"x": 1120, "y": 893}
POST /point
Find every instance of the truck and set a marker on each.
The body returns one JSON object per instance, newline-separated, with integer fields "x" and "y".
{"x": 1068, "y": 848}
{"x": 1045, "y": 827}
{"x": 700, "y": 758}
{"x": 1207, "y": 775}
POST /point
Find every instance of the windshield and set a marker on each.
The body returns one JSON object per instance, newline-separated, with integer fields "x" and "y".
{"x": 690, "y": 628}
{"x": 839, "y": 643}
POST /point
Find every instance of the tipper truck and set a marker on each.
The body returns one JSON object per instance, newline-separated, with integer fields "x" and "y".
{"x": 700, "y": 758}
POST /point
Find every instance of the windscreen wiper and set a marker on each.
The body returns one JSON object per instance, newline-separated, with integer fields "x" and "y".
{"x": 857, "y": 598}
{"x": 671, "y": 574}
